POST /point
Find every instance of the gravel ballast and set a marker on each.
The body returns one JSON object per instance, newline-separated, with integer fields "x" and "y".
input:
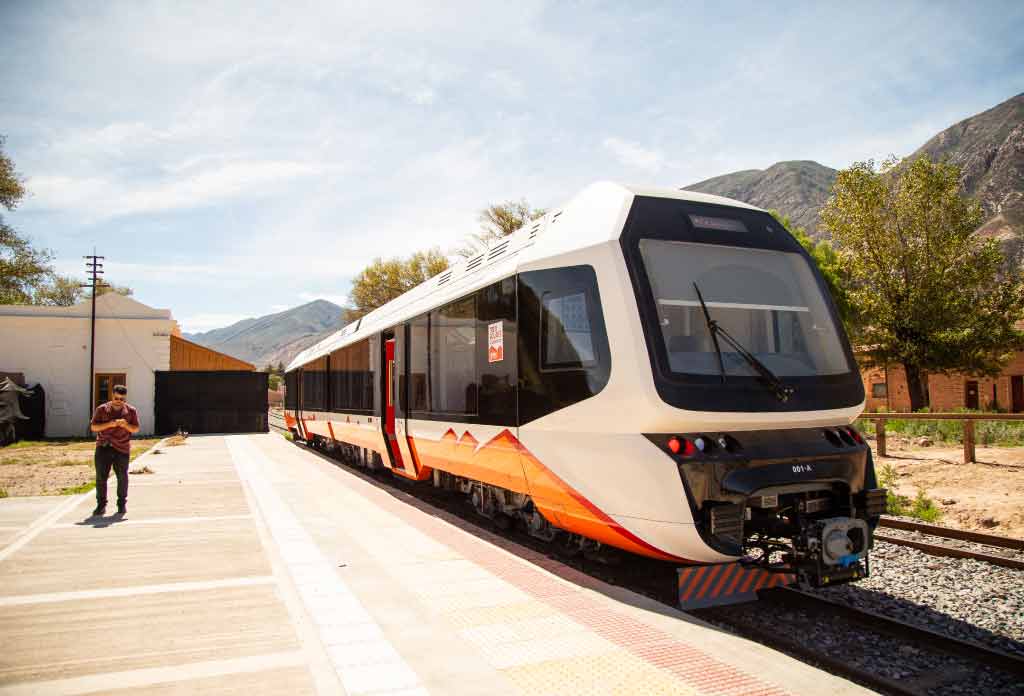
{"x": 959, "y": 597}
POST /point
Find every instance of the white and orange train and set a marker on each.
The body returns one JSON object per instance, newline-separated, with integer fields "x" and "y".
{"x": 655, "y": 370}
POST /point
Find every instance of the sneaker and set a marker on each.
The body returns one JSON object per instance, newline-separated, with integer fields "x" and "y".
{"x": 122, "y": 509}
{"x": 99, "y": 511}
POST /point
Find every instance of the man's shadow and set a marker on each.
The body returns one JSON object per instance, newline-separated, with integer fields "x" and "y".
{"x": 102, "y": 521}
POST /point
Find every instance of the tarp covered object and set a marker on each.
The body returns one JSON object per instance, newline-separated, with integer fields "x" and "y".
{"x": 10, "y": 409}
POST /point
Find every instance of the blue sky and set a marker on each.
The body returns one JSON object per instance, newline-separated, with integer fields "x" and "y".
{"x": 233, "y": 159}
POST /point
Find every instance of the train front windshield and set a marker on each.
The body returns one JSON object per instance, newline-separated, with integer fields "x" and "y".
{"x": 768, "y": 300}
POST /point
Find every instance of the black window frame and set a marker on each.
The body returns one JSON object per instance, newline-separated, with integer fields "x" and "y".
{"x": 544, "y": 333}
{"x": 667, "y": 219}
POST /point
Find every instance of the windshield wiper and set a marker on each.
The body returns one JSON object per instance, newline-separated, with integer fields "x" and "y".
{"x": 781, "y": 391}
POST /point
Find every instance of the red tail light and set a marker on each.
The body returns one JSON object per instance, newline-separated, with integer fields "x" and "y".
{"x": 857, "y": 437}
{"x": 681, "y": 446}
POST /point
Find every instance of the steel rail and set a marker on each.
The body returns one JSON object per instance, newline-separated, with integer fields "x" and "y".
{"x": 959, "y": 647}
{"x": 951, "y": 551}
{"x": 950, "y": 533}
{"x": 769, "y": 636}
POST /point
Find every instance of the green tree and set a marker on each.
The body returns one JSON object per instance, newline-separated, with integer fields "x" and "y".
{"x": 59, "y": 291}
{"x": 497, "y": 221}
{"x": 384, "y": 280}
{"x": 274, "y": 382}
{"x": 119, "y": 289}
{"x": 831, "y": 267}
{"x": 22, "y": 267}
{"x": 64, "y": 291}
{"x": 931, "y": 295}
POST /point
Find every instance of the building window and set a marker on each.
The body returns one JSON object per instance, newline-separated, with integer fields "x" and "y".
{"x": 879, "y": 390}
{"x": 104, "y": 387}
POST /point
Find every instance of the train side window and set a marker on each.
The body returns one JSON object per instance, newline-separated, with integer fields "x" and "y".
{"x": 314, "y": 385}
{"x": 566, "y": 341}
{"x": 291, "y": 390}
{"x": 419, "y": 364}
{"x": 563, "y": 350}
{"x": 452, "y": 337}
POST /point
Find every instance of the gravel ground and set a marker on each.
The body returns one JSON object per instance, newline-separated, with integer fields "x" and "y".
{"x": 955, "y": 543}
{"x": 931, "y": 672}
{"x": 959, "y": 597}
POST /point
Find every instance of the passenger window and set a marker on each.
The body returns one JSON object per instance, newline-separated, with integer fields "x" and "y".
{"x": 566, "y": 340}
{"x": 451, "y": 377}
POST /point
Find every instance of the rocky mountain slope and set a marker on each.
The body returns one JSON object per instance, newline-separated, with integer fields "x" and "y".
{"x": 274, "y": 338}
{"x": 988, "y": 147}
{"x": 798, "y": 189}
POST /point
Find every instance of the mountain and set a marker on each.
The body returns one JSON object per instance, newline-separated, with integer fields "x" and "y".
{"x": 798, "y": 189}
{"x": 277, "y": 337}
{"x": 988, "y": 147}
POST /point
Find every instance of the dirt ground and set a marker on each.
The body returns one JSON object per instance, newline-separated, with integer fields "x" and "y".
{"x": 986, "y": 496}
{"x": 52, "y": 467}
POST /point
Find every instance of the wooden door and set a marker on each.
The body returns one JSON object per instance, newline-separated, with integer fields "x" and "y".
{"x": 103, "y": 387}
{"x": 1017, "y": 393}
{"x": 971, "y": 395}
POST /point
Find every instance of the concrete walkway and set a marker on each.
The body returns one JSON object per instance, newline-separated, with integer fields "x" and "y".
{"x": 250, "y": 566}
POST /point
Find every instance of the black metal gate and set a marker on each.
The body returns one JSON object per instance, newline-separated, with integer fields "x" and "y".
{"x": 220, "y": 401}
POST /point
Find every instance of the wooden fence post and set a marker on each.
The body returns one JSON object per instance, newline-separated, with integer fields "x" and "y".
{"x": 880, "y": 437}
{"x": 969, "y": 455}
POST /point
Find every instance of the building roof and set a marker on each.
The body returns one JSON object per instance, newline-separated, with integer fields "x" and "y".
{"x": 108, "y": 306}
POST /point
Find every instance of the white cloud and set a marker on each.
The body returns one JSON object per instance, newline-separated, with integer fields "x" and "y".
{"x": 633, "y": 155}
{"x": 103, "y": 198}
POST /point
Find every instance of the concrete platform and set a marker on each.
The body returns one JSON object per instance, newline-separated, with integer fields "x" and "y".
{"x": 249, "y": 566}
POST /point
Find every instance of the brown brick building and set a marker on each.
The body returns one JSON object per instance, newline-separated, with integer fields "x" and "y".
{"x": 886, "y": 389}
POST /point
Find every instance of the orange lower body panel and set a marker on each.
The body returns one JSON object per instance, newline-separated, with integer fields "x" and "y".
{"x": 504, "y": 462}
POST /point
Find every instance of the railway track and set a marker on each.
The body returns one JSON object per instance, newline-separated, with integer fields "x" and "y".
{"x": 656, "y": 579}
{"x": 920, "y": 639}
{"x": 1000, "y": 551}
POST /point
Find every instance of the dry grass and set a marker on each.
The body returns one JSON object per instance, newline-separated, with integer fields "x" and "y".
{"x": 53, "y": 467}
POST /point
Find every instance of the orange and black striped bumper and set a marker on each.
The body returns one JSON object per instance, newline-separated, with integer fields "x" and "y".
{"x": 725, "y": 583}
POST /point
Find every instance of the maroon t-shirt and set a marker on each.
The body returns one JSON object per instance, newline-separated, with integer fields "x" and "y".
{"x": 119, "y": 438}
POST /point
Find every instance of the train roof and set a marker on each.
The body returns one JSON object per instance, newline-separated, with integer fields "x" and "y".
{"x": 595, "y": 215}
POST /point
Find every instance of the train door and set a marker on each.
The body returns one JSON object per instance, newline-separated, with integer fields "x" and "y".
{"x": 390, "y": 391}
{"x": 402, "y": 400}
{"x": 299, "y": 424}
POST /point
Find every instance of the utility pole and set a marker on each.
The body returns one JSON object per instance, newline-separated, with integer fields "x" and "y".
{"x": 93, "y": 269}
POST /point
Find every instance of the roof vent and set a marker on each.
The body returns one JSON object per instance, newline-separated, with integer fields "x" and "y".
{"x": 475, "y": 263}
{"x": 554, "y": 218}
{"x": 497, "y": 251}
{"x": 534, "y": 230}
{"x": 444, "y": 278}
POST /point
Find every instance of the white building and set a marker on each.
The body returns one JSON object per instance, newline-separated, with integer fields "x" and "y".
{"x": 50, "y": 346}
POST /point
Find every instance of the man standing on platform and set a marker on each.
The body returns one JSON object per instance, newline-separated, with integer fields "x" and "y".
{"x": 114, "y": 423}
